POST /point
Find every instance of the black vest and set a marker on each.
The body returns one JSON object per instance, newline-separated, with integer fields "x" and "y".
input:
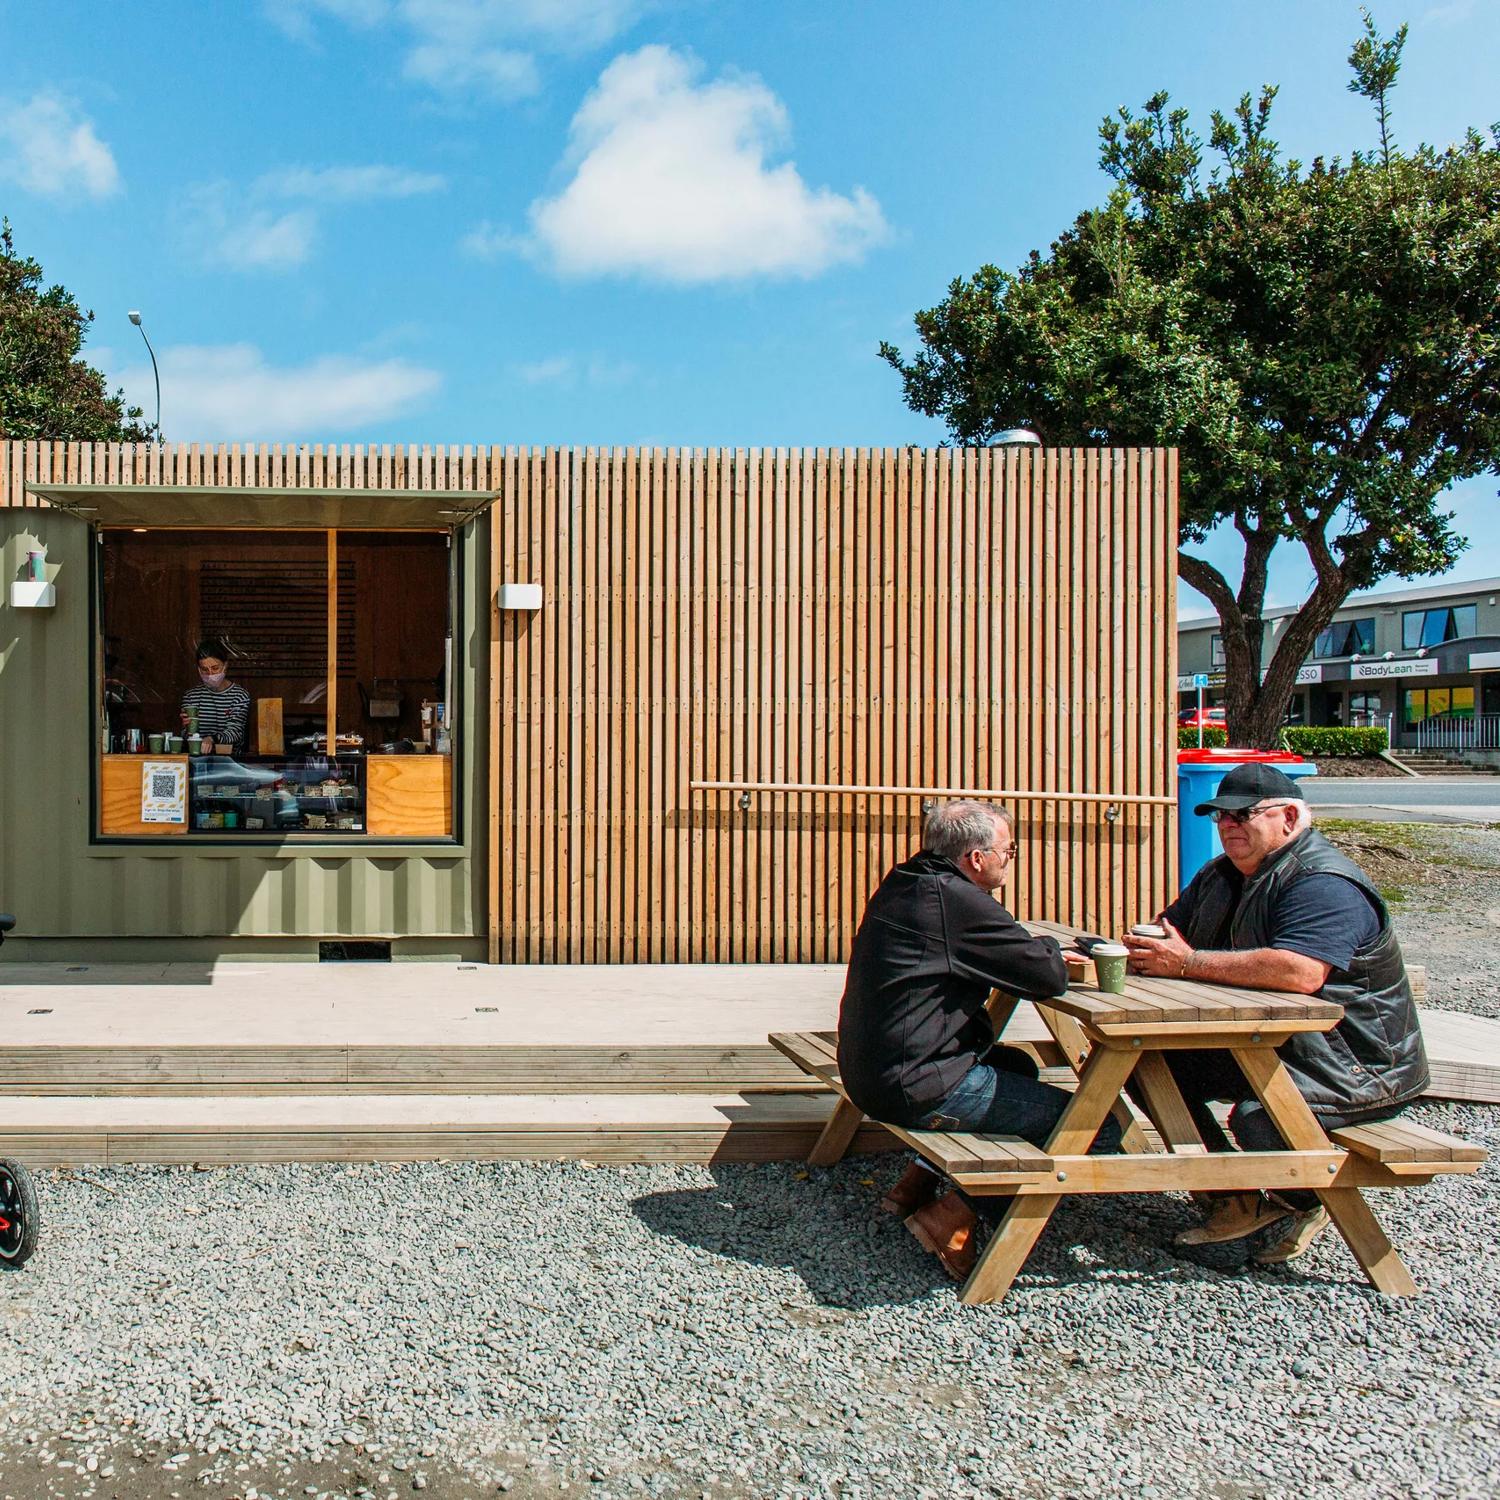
{"x": 1373, "y": 1061}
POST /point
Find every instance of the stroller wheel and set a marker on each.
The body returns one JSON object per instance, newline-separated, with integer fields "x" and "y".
{"x": 20, "y": 1222}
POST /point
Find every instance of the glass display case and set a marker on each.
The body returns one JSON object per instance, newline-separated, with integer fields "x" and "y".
{"x": 254, "y": 794}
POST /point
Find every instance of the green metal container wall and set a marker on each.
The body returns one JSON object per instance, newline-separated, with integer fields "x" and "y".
{"x": 62, "y": 885}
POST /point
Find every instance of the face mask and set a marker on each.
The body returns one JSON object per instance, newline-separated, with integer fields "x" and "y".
{"x": 213, "y": 679}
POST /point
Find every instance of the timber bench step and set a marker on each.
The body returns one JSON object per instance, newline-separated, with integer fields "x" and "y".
{"x": 960, "y": 1154}
{"x": 1399, "y": 1142}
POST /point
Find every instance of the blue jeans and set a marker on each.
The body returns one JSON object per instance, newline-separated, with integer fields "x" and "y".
{"x": 994, "y": 1100}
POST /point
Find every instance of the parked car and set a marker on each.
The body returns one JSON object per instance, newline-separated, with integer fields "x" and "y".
{"x": 1211, "y": 718}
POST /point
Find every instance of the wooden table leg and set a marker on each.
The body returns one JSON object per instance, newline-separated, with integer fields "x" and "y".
{"x": 1166, "y": 1106}
{"x": 1099, "y": 1086}
{"x": 1351, "y": 1215}
{"x": 838, "y": 1135}
{"x": 1074, "y": 1046}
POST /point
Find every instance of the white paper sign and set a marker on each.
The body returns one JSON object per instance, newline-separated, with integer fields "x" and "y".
{"x": 163, "y": 791}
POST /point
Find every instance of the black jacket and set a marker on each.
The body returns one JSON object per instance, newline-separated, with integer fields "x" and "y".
{"x": 931, "y": 947}
{"x": 1373, "y": 1061}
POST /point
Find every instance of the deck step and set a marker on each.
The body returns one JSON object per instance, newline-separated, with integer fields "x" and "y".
{"x": 48, "y": 1131}
{"x": 420, "y": 1029}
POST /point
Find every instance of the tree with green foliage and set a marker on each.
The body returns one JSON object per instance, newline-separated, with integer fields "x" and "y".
{"x": 46, "y": 389}
{"x": 1319, "y": 343}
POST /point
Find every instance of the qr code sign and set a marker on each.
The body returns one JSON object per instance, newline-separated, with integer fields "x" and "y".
{"x": 163, "y": 792}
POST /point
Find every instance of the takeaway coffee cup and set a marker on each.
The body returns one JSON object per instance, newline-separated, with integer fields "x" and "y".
{"x": 1109, "y": 967}
{"x": 173, "y": 744}
{"x": 155, "y": 742}
{"x": 1148, "y": 929}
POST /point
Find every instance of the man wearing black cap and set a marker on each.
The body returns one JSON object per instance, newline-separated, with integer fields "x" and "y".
{"x": 1282, "y": 909}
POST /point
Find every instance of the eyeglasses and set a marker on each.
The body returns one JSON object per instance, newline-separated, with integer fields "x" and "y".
{"x": 1006, "y": 855}
{"x": 1243, "y": 816}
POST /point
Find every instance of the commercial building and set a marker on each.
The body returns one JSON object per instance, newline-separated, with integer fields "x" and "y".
{"x": 1424, "y": 662}
{"x": 569, "y": 705}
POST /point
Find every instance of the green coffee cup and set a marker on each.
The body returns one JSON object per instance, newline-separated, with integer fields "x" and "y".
{"x": 1109, "y": 967}
{"x": 156, "y": 741}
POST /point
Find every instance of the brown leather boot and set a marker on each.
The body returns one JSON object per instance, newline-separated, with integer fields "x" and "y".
{"x": 917, "y": 1188}
{"x": 946, "y": 1227}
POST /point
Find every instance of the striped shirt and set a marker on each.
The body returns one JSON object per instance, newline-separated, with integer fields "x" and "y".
{"x": 223, "y": 715}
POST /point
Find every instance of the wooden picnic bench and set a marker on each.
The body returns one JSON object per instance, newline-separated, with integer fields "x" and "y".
{"x": 1109, "y": 1039}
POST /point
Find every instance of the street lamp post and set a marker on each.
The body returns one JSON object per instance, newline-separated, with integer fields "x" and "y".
{"x": 135, "y": 318}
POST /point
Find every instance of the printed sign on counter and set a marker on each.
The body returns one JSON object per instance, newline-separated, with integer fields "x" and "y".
{"x": 163, "y": 791}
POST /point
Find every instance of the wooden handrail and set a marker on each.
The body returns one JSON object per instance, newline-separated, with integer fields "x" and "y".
{"x": 1136, "y": 798}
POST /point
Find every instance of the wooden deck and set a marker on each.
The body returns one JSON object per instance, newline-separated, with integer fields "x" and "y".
{"x": 405, "y": 1061}
{"x": 68, "y": 1132}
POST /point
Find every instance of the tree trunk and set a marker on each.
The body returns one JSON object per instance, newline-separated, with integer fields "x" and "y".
{"x": 1254, "y": 709}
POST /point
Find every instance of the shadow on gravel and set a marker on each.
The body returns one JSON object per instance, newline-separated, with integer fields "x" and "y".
{"x": 828, "y": 1230}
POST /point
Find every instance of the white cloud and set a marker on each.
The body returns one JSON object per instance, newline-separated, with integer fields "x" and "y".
{"x": 487, "y": 48}
{"x": 572, "y": 370}
{"x": 488, "y": 241}
{"x": 673, "y": 179}
{"x": 546, "y": 371}
{"x": 47, "y": 147}
{"x": 349, "y": 184}
{"x": 257, "y": 230}
{"x": 222, "y": 229}
{"x": 230, "y": 393}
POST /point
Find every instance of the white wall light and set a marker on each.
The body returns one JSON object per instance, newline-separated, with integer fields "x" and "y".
{"x": 522, "y": 596}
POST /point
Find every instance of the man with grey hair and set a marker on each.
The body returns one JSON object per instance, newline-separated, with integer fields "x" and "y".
{"x": 1282, "y": 909}
{"x": 916, "y": 1047}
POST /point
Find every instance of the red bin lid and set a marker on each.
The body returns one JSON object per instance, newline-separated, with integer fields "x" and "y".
{"x": 1208, "y": 757}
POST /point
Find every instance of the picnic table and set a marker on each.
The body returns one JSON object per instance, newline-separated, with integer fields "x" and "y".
{"x": 1109, "y": 1039}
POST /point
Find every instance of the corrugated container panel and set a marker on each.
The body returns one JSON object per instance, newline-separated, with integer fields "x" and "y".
{"x": 64, "y": 886}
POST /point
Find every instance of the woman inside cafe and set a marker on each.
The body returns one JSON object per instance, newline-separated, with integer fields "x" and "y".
{"x": 216, "y": 707}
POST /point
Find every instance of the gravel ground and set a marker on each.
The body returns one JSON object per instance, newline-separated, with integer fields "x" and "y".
{"x": 749, "y": 1331}
{"x": 1444, "y": 888}
{"x": 725, "y": 1331}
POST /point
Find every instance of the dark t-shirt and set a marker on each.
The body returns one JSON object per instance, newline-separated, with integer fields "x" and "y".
{"x": 1320, "y": 916}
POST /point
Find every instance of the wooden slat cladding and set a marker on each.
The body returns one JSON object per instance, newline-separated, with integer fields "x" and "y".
{"x": 864, "y": 617}
{"x": 829, "y": 616}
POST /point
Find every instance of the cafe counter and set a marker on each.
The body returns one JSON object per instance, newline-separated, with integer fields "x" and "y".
{"x": 308, "y": 797}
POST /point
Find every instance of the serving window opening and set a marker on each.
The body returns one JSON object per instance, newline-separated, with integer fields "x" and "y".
{"x": 275, "y": 684}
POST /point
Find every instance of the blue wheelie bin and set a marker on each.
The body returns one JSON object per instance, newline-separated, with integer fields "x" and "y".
{"x": 1199, "y": 773}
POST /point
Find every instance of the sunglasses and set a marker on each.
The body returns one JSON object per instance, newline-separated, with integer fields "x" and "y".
{"x": 1243, "y": 816}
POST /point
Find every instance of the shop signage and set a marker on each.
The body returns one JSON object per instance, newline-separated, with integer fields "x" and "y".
{"x": 1216, "y": 679}
{"x": 1364, "y": 670}
{"x": 163, "y": 791}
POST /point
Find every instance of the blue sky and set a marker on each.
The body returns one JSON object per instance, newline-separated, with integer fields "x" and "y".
{"x": 616, "y": 221}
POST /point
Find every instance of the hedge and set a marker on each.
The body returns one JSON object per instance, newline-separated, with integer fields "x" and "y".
{"x": 1332, "y": 743}
{"x": 1316, "y": 744}
{"x": 1214, "y": 738}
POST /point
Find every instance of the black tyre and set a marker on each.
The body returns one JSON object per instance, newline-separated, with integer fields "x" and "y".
{"x": 20, "y": 1222}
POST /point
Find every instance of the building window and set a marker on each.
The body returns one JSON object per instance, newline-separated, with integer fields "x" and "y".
{"x": 1432, "y": 627}
{"x": 1215, "y": 651}
{"x": 1346, "y": 637}
{"x": 1364, "y": 708}
{"x": 275, "y": 684}
{"x": 1430, "y": 703}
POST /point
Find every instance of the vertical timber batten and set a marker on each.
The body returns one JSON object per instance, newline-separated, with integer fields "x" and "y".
{"x": 828, "y": 616}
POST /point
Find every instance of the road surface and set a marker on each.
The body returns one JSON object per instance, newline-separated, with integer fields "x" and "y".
{"x": 1430, "y": 800}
